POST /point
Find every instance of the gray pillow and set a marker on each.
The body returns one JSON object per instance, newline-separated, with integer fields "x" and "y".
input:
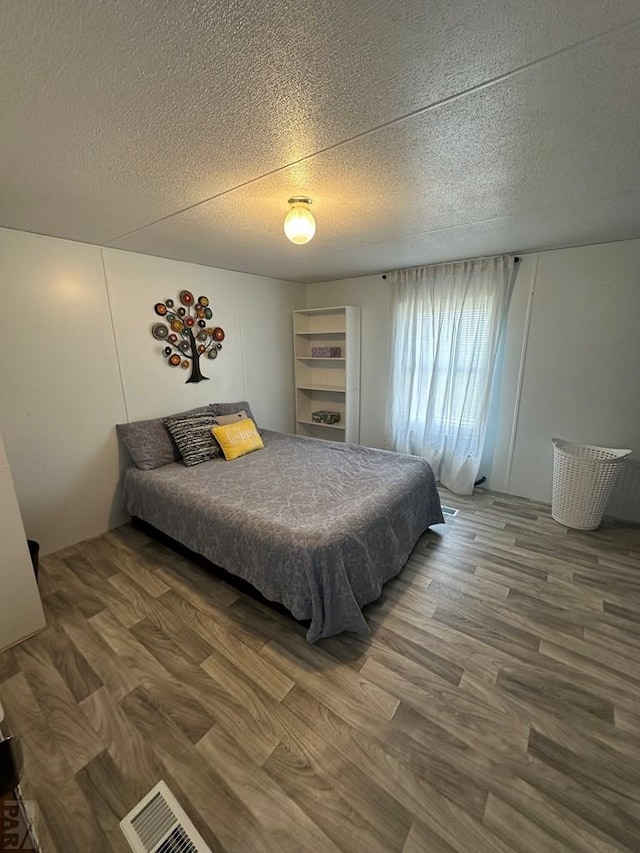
{"x": 232, "y": 408}
{"x": 149, "y": 442}
{"x": 192, "y": 433}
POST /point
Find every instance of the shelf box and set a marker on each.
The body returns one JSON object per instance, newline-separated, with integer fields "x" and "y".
{"x": 326, "y": 352}
{"x": 303, "y": 343}
{"x": 310, "y": 400}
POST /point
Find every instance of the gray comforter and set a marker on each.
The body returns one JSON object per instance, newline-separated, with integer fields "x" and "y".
{"x": 317, "y": 526}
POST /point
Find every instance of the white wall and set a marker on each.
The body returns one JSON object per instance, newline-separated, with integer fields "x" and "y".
{"x": 20, "y": 608}
{"x": 582, "y": 371}
{"x": 267, "y": 340}
{"x": 373, "y": 295}
{"x": 60, "y": 390}
{"x": 571, "y": 371}
{"x": 256, "y": 361}
{"x": 64, "y": 383}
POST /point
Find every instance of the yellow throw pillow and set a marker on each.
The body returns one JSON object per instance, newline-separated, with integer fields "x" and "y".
{"x": 238, "y": 438}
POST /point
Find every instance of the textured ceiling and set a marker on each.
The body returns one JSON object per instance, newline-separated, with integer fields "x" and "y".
{"x": 423, "y": 131}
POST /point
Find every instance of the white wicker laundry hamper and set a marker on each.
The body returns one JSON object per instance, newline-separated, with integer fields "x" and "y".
{"x": 583, "y": 479}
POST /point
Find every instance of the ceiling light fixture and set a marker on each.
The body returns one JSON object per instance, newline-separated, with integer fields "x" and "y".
{"x": 299, "y": 224}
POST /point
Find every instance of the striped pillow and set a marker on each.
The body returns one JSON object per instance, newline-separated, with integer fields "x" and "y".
{"x": 192, "y": 434}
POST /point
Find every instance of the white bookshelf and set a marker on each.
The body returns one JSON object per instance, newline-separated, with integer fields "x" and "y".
{"x": 332, "y": 383}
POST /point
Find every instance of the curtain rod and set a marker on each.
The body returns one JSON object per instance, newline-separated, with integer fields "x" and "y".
{"x": 516, "y": 260}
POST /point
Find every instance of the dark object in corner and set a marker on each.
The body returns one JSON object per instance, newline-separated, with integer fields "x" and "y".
{"x": 34, "y": 551}
{"x": 480, "y": 481}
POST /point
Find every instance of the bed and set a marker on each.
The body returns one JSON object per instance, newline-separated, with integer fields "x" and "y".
{"x": 318, "y": 526}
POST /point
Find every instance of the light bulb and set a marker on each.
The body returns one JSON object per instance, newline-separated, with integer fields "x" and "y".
{"x": 299, "y": 224}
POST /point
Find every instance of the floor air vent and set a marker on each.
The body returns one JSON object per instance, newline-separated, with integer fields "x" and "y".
{"x": 158, "y": 824}
{"x": 449, "y": 510}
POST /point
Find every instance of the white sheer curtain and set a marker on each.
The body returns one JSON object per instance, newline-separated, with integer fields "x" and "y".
{"x": 447, "y": 320}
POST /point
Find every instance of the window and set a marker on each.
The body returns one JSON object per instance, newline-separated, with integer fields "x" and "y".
{"x": 447, "y": 321}
{"x": 450, "y": 390}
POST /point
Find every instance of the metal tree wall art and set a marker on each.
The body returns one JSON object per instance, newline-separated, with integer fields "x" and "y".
{"x": 188, "y": 335}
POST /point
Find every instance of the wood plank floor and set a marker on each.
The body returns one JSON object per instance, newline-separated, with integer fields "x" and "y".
{"x": 495, "y": 706}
